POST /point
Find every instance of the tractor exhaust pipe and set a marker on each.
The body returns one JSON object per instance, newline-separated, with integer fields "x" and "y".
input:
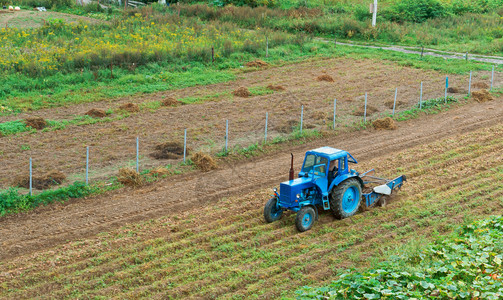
{"x": 291, "y": 168}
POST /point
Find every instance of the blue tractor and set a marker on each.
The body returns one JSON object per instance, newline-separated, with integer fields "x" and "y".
{"x": 326, "y": 181}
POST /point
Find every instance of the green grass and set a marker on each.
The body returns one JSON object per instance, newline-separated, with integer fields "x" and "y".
{"x": 211, "y": 97}
{"x": 18, "y": 126}
{"x": 12, "y": 201}
{"x": 431, "y": 106}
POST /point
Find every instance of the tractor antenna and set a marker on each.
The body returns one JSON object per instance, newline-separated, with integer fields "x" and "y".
{"x": 291, "y": 168}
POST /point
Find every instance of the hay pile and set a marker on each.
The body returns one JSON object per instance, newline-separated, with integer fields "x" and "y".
{"x": 36, "y": 122}
{"x": 130, "y": 107}
{"x": 325, "y": 77}
{"x": 40, "y": 182}
{"x": 480, "y": 85}
{"x": 320, "y": 115}
{"x": 361, "y": 111}
{"x": 482, "y": 96}
{"x": 242, "y": 92}
{"x": 389, "y": 104}
{"x": 130, "y": 177}
{"x": 96, "y": 113}
{"x": 276, "y": 88}
{"x": 170, "y": 101}
{"x": 257, "y": 64}
{"x": 204, "y": 162}
{"x": 168, "y": 150}
{"x": 158, "y": 172}
{"x": 386, "y": 123}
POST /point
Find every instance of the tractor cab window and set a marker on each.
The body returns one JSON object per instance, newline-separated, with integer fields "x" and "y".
{"x": 317, "y": 163}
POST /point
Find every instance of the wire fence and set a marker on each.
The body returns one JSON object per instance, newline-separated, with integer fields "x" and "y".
{"x": 263, "y": 131}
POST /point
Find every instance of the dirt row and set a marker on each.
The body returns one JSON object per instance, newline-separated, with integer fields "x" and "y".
{"x": 59, "y": 223}
{"x": 225, "y": 250}
{"x": 113, "y": 144}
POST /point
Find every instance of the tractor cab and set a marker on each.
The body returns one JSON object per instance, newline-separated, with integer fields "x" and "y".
{"x": 326, "y": 162}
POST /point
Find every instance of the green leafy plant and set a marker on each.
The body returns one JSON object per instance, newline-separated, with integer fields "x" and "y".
{"x": 467, "y": 265}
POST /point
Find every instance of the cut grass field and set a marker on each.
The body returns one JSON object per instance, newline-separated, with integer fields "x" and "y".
{"x": 227, "y": 250}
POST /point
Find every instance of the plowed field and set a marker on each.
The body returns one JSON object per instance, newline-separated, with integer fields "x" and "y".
{"x": 210, "y": 239}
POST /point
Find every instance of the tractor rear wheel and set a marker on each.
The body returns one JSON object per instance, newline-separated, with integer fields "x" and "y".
{"x": 305, "y": 218}
{"x": 345, "y": 198}
{"x": 271, "y": 211}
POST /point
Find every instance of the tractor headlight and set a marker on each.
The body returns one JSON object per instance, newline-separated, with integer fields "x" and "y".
{"x": 275, "y": 190}
{"x": 298, "y": 196}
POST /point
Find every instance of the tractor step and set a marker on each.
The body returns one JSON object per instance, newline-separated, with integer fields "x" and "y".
{"x": 326, "y": 203}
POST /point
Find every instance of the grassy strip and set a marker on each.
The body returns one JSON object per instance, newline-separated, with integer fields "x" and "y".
{"x": 18, "y": 126}
{"x": 466, "y": 265}
{"x": 66, "y": 89}
{"x": 11, "y": 201}
{"x": 430, "y": 107}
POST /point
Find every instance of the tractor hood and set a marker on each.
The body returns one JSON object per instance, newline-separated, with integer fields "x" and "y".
{"x": 288, "y": 190}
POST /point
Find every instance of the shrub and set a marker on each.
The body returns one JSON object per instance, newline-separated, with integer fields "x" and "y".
{"x": 414, "y": 11}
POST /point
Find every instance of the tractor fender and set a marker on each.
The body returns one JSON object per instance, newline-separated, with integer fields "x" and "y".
{"x": 342, "y": 178}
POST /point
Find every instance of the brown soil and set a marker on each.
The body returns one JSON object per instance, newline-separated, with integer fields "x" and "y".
{"x": 130, "y": 107}
{"x": 96, "y": 113}
{"x": 169, "y": 150}
{"x": 43, "y": 182}
{"x": 325, "y": 77}
{"x": 242, "y": 92}
{"x": 453, "y": 90}
{"x": 399, "y": 103}
{"x": 36, "y": 122}
{"x": 386, "y": 123}
{"x": 22, "y": 234}
{"x": 361, "y": 111}
{"x": 482, "y": 96}
{"x": 204, "y": 162}
{"x": 170, "y": 101}
{"x": 286, "y": 126}
{"x": 480, "y": 85}
{"x": 276, "y": 87}
{"x": 257, "y": 64}
{"x": 130, "y": 177}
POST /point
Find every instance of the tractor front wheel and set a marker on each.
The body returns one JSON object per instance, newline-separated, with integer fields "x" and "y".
{"x": 345, "y": 198}
{"x": 305, "y": 218}
{"x": 272, "y": 212}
